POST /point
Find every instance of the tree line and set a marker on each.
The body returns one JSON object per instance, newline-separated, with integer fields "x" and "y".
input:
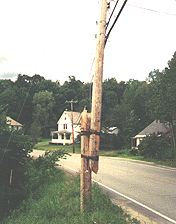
{"x": 38, "y": 103}
{"x": 130, "y": 106}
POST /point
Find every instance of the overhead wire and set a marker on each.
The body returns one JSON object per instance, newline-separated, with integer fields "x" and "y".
{"x": 21, "y": 109}
{"x": 107, "y": 24}
{"x": 139, "y": 7}
{"x": 17, "y": 121}
{"x": 91, "y": 81}
{"x": 111, "y": 14}
{"x": 107, "y": 36}
{"x": 152, "y": 10}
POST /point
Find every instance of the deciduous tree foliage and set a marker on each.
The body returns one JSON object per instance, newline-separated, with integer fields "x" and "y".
{"x": 43, "y": 116}
{"x": 162, "y": 103}
{"x": 112, "y": 96}
{"x": 130, "y": 115}
{"x": 130, "y": 106}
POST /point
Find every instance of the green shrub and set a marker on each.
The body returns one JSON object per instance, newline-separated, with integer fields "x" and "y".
{"x": 156, "y": 147}
{"x": 21, "y": 176}
{"x": 42, "y": 171}
{"x": 134, "y": 151}
{"x": 14, "y": 149}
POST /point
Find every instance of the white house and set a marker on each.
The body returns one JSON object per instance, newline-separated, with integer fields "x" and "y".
{"x": 13, "y": 125}
{"x": 64, "y": 133}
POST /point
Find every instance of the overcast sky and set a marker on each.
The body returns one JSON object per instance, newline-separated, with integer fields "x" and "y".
{"x": 55, "y": 39}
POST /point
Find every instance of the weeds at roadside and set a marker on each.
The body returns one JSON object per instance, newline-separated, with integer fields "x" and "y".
{"x": 60, "y": 203}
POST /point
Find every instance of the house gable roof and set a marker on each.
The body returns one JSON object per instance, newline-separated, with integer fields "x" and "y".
{"x": 76, "y": 116}
{"x": 155, "y": 127}
{"x": 12, "y": 122}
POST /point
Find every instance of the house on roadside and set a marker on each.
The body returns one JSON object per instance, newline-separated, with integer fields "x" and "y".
{"x": 13, "y": 125}
{"x": 154, "y": 127}
{"x": 64, "y": 133}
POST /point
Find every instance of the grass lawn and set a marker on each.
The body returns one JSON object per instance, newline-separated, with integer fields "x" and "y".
{"x": 44, "y": 145}
{"x": 60, "y": 203}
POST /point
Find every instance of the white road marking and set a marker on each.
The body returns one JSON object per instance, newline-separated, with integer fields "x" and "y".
{"x": 144, "y": 206}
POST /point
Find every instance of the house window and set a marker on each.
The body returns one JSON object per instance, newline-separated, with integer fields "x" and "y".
{"x": 62, "y": 136}
{"x": 68, "y": 136}
{"x": 55, "y": 136}
{"x": 64, "y": 126}
{"x": 134, "y": 142}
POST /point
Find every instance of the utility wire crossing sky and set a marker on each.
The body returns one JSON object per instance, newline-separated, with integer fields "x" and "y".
{"x": 56, "y": 39}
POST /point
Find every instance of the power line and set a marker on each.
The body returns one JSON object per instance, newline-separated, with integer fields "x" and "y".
{"x": 115, "y": 21}
{"x": 148, "y": 9}
{"x": 17, "y": 120}
{"x": 20, "y": 111}
{"x": 24, "y": 101}
{"x": 152, "y": 10}
{"x": 111, "y": 14}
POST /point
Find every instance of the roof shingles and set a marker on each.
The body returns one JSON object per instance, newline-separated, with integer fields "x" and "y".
{"x": 155, "y": 127}
{"x": 12, "y": 122}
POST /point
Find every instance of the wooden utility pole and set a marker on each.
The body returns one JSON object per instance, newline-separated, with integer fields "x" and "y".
{"x": 72, "y": 102}
{"x": 85, "y": 170}
{"x": 90, "y": 132}
{"x": 97, "y": 90}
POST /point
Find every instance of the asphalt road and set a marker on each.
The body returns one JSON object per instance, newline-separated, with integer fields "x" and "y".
{"x": 144, "y": 188}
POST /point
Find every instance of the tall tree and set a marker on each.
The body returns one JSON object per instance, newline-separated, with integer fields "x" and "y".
{"x": 9, "y": 98}
{"x": 43, "y": 116}
{"x": 131, "y": 114}
{"x": 72, "y": 89}
{"x": 112, "y": 96}
{"x": 163, "y": 101}
{"x": 4, "y": 84}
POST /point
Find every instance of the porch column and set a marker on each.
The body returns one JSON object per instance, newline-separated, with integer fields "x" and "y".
{"x": 64, "y": 138}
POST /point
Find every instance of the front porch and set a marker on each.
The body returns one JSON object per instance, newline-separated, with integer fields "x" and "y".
{"x": 61, "y": 137}
{"x": 135, "y": 141}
